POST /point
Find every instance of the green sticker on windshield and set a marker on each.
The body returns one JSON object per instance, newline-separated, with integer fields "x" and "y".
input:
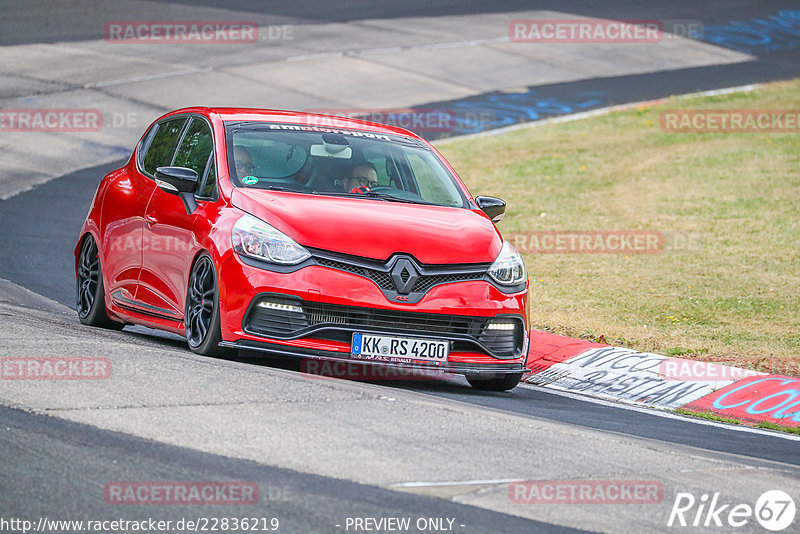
{"x": 249, "y": 180}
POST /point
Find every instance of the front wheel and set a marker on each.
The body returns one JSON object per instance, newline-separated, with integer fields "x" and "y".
{"x": 90, "y": 295}
{"x": 500, "y": 383}
{"x": 202, "y": 322}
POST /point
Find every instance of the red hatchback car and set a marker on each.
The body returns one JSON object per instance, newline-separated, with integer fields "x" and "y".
{"x": 304, "y": 235}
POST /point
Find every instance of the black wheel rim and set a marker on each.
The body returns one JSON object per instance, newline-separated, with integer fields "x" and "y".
{"x": 200, "y": 301}
{"x": 88, "y": 276}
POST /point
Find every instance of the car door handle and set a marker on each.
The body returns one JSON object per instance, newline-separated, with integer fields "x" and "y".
{"x": 150, "y": 220}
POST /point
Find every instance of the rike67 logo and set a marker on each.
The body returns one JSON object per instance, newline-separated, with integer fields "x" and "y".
{"x": 774, "y": 510}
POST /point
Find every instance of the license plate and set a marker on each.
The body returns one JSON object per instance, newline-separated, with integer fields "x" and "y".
{"x": 398, "y": 349}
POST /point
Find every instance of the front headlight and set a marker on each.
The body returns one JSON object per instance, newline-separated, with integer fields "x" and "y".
{"x": 508, "y": 269}
{"x": 254, "y": 238}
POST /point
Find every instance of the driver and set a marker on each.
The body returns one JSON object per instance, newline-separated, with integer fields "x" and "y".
{"x": 361, "y": 178}
{"x": 242, "y": 161}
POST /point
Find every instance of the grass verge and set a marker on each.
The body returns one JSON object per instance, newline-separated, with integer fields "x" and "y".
{"x": 711, "y": 416}
{"x": 726, "y": 285}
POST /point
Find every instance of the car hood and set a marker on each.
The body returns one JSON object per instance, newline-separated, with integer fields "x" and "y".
{"x": 374, "y": 228}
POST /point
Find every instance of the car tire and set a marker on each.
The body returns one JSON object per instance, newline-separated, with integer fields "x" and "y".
{"x": 90, "y": 295}
{"x": 499, "y": 383}
{"x": 202, "y": 318}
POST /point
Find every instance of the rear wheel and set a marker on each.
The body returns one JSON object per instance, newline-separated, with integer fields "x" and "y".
{"x": 498, "y": 383}
{"x": 90, "y": 294}
{"x": 202, "y": 322}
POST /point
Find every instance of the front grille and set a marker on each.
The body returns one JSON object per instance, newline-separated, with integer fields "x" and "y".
{"x": 410, "y": 322}
{"x": 336, "y": 322}
{"x": 424, "y": 283}
{"x": 316, "y": 317}
{"x": 383, "y": 279}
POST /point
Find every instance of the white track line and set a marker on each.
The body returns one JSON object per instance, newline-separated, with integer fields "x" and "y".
{"x": 454, "y": 483}
{"x": 147, "y": 77}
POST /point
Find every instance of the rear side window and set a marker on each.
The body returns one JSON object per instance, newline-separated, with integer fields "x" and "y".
{"x": 162, "y": 147}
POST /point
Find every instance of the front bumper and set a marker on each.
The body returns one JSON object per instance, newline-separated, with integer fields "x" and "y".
{"x": 456, "y": 311}
{"x": 452, "y": 367}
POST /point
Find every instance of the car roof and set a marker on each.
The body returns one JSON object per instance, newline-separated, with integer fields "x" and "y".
{"x": 297, "y": 117}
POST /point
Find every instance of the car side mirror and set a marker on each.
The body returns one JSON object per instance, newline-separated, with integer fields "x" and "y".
{"x": 179, "y": 181}
{"x": 176, "y": 180}
{"x": 493, "y": 207}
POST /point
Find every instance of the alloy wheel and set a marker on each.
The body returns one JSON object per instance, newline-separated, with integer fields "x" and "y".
{"x": 200, "y": 301}
{"x": 88, "y": 276}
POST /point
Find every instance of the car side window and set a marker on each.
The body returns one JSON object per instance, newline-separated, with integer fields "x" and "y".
{"x": 162, "y": 147}
{"x": 144, "y": 144}
{"x": 195, "y": 152}
{"x": 195, "y": 147}
{"x": 209, "y": 183}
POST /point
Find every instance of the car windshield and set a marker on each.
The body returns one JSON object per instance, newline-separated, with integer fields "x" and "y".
{"x": 338, "y": 162}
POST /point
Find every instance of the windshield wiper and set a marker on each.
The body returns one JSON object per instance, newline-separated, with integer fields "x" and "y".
{"x": 280, "y": 188}
{"x": 393, "y": 198}
{"x": 340, "y": 194}
{"x": 373, "y": 195}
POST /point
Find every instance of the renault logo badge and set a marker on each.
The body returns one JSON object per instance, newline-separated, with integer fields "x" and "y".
{"x": 404, "y": 276}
